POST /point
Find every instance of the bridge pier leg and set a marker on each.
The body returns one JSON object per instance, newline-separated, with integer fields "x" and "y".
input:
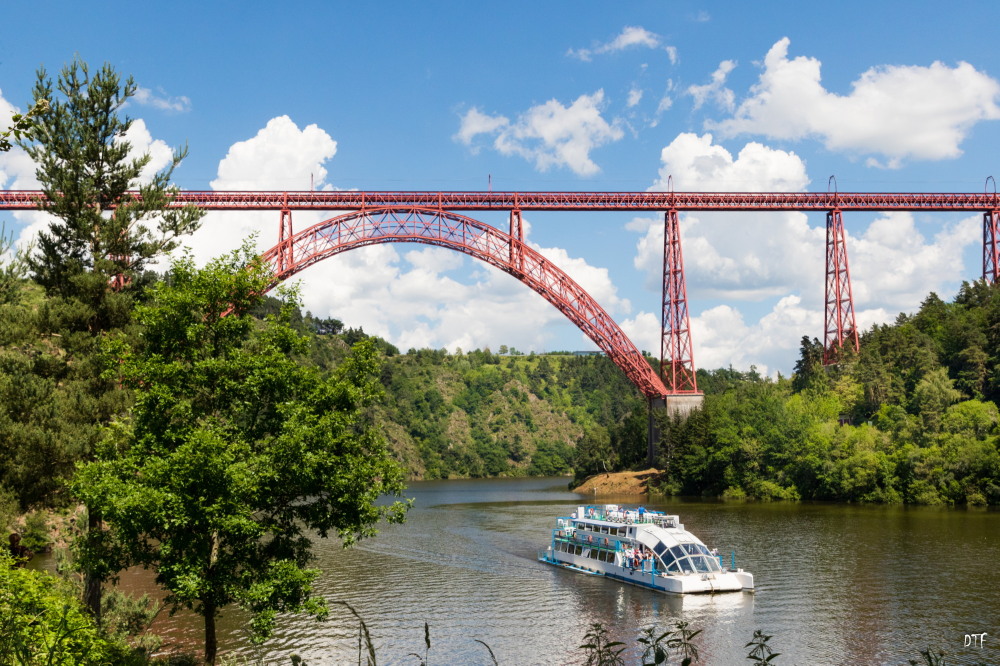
{"x": 284, "y": 240}
{"x": 676, "y": 350}
{"x": 839, "y": 324}
{"x": 516, "y": 240}
{"x": 676, "y": 355}
{"x": 991, "y": 249}
{"x": 670, "y": 406}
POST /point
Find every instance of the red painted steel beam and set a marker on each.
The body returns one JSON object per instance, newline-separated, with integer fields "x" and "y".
{"x": 991, "y": 246}
{"x": 839, "y": 324}
{"x": 566, "y": 201}
{"x": 451, "y": 230}
{"x": 676, "y": 352}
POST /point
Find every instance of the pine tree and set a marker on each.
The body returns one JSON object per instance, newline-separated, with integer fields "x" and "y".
{"x": 103, "y": 236}
{"x": 110, "y": 220}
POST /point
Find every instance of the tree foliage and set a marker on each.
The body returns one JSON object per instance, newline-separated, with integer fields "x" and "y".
{"x": 22, "y": 125}
{"x": 480, "y": 414}
{"x": 43, "y": 622}
{"x": 102, "y": 237}
{"x": 236, "y": 452}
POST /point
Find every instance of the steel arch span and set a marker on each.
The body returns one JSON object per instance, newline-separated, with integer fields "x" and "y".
{"x": 431, "y": 226}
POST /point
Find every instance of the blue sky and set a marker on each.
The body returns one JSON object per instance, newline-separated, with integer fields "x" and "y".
{"x": 563, "y": 96}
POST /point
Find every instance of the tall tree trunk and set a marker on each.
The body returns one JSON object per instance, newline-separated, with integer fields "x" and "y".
{"x": 91, "y": 581}
{"x": 209, "y": 608}
{"x": 211, "y": 646}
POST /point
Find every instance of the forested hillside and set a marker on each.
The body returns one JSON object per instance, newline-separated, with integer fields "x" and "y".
{"x": 482, "y": 414}
{"x": 911, "y": 418}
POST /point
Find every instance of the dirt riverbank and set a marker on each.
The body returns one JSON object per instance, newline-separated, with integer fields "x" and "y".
{"x": 618, "y": 483}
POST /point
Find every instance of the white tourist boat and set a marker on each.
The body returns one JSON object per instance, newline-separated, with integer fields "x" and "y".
{"x": 645, "y": 548}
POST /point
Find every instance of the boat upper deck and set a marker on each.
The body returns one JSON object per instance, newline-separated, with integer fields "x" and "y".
{"x": 613, "y": 514}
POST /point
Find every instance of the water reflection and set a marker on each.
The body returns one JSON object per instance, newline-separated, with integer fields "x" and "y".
{"x": 835, "y": 584}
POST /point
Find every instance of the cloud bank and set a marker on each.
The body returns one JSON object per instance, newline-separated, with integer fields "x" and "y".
{"x": 895, "y": 113}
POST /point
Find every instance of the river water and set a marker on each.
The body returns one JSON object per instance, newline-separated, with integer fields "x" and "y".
{"x": 836, "y": 584}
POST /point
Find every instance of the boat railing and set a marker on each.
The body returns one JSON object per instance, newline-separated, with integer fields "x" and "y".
{"x": 632, "y": 517}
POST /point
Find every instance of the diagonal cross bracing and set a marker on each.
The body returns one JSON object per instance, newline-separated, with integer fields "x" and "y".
{"x": 840, "y": 328}
{"x": 446, "y": 229}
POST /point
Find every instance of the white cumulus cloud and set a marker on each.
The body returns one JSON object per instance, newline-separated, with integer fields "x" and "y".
{"x": 630, "y": 36}
{"x": 159, "y": 99}
{"x": 716, "y": 89}
{"x": 898, "y": 112}
{"x": 549, "y": 134}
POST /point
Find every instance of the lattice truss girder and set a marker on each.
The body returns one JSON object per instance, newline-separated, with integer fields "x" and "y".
{"x": 648, "y": 201}
{"x": 497, "y": 248}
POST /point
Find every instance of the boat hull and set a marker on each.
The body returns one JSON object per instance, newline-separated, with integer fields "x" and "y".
{"x": 704, "y": 583}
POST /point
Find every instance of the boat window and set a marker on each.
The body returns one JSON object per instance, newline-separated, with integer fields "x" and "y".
{"x": 677, "y": 551}
{"x": 690, "y": 548}
{"x": 673, "y": 567}
{"x": 685, "y": 565}
{"x": 704, "y": 550}
{"x": 701, "y": 563}
{"x": 713, "y": 563}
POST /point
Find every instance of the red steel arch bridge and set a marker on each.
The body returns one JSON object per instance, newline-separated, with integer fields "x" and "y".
{"x": 365, "y": 218}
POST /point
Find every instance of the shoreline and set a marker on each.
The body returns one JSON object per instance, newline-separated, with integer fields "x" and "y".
{"x": 618, "y": 483}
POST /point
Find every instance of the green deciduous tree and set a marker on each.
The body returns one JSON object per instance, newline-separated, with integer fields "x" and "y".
{"x": 12, "y": 268}
{"x": 21, "y": 125}
{"x": 236, "y": 453}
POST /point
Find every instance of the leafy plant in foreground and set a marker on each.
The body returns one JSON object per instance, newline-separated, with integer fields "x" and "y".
{"x": 760, "y": 652}
{"x": 599, "y": 650}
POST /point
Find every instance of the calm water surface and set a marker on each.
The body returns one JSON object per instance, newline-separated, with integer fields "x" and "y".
{"x": 836, "y": 584}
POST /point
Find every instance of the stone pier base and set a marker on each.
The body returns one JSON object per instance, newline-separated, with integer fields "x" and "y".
{"x": 683, "y": 405}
